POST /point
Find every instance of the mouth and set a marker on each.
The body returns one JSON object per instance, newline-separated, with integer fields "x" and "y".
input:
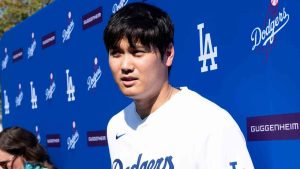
{"x": 128, "y": 81}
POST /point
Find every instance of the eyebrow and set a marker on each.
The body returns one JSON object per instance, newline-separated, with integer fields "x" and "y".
{"x": 4, "y": 161}
{"x": 115, "y": 49}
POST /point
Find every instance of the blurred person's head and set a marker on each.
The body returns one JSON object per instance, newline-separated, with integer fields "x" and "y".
{"x": 20, "y": 148}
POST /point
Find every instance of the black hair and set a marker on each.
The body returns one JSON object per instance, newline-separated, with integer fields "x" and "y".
{"x": 21, "y": 142}
{"x": 140, "y": 22}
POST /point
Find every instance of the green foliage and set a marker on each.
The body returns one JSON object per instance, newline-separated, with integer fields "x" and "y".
{"x": 15, "y": 11}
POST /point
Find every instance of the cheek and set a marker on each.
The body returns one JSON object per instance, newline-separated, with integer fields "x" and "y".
{"x": 110, "y": 63}
{"x": 149, "y": 74}
{"x": 152, "y": 69}
{"x": 18, "y": 164}
{"x": 113, "y": 66}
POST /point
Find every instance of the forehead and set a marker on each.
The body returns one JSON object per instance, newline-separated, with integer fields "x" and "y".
{"x": 4, "y": 155}
{"x": 130, "y": 43}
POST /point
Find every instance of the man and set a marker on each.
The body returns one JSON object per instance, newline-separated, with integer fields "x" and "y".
{"x": 164, "y": 127}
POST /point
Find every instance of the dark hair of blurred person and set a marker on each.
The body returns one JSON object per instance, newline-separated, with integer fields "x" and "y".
{"x": 20, "y": 149}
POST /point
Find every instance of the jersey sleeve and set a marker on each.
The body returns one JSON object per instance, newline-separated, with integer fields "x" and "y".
{"x": 226, "y": 148}
{"x": 111, "y": 138}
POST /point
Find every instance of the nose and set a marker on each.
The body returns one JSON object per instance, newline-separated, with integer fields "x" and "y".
{"x": 127, "y": 65}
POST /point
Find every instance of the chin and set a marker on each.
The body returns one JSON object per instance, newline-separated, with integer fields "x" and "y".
{"x": 130, "y": 92}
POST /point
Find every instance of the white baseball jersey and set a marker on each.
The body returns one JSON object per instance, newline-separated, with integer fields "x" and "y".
{"x": 186, "y": 132}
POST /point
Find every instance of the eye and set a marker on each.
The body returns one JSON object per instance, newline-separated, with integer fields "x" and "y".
{"x": 3, "y": 164}
{"x": 138, "y": 53}
{"x": 115, "y": 53}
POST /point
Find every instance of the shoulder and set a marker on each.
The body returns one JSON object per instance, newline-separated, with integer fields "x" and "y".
{"x": 201, "y": 105}
{"x": 119, "y": 118}
{"x": 205, "y": 112}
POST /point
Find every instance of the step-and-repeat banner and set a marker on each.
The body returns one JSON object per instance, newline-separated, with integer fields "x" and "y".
{"x": 244, "y": 56}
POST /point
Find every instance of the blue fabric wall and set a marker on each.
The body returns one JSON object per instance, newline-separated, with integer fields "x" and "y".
{"x": 255, "y": 73}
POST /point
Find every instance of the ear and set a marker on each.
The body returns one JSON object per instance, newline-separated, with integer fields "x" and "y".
{"x": 169, "y": 55}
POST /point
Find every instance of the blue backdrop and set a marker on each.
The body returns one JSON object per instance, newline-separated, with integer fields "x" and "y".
{"x": 242, "y": 55}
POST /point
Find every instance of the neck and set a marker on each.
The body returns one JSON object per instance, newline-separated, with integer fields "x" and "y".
{"x": 145, "y": 107}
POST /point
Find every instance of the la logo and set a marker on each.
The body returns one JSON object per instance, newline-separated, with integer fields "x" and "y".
{"x": 208, "y": 52}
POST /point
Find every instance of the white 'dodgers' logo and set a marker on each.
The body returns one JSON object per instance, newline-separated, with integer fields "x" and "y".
{"x": 66, "y": 34}
{"x": 32, "y": 47}
{"x": 71, "y": 141}
{"x": 19, "y": 98}
{"x": 49, "y": 91}
{"x": 5, "y": 60}
{"x": 92, "y": 81}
